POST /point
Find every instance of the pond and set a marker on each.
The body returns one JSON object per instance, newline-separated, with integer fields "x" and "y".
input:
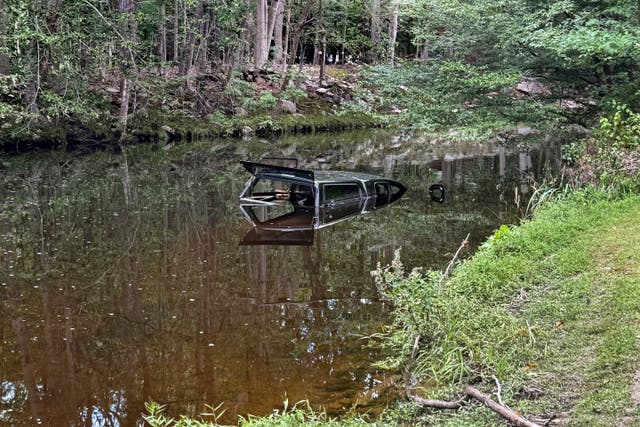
{"x": 110, "y": 302}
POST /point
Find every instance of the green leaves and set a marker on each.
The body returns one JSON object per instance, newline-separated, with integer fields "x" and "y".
{"x": 586, "y": 35}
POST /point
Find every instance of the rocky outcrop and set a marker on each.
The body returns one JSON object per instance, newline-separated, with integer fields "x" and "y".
{"x": 532, "y": 87}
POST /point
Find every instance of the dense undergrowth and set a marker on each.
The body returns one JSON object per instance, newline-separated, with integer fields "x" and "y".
{"x": 443, "y": 97}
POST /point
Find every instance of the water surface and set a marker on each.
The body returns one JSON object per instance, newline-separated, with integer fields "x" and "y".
{"x": 106, "y": 306}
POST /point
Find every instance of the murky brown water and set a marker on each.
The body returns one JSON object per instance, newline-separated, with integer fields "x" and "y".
{"x": 104, "y": 307}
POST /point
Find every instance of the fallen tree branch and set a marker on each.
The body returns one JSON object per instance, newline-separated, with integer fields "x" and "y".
{"x": 438, "y": 404}
{"x": 474, "y": 393}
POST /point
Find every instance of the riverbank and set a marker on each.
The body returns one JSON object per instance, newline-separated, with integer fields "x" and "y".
{"x": 451, "y": 100}
{"x": 545, "y": 317}
{"x": 546, "y": 314}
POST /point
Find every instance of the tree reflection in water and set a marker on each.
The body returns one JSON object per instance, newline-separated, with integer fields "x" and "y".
{"x": 105, "y": 308}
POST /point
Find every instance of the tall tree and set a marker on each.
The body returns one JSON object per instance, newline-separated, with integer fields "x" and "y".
{"x": 261, "y": 52}
{"x": 393, "y": 31}
{"x": 4, "y": 45}
{"x": 376, "y": 23}
{"x": 278, "y": 40}
{"x": 176, "y": 31}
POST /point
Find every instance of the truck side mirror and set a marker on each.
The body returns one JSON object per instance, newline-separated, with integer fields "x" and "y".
{"x": 437, "y": 193}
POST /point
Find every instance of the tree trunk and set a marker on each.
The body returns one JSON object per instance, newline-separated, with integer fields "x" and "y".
{"x": 323, "y": 58}
{"x": 424, "y": 56}
{"x": 202, "y": 57}
{"x": 323, "y": 40}
{"x": 163, "y": 35}
{"x": 4, "y": 56}
{"x": 127, "y": 9}
{"x": 375, "y": 22}
{"x": 393, "y": 32}
{"x": 176, "y": 31}
{"x": 261, "y": 52}
{"x": 277, "y": 35}
{"x": 296, "y": 33}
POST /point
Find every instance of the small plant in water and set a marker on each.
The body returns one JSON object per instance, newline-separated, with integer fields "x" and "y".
{"x": 413, "y": 298}
{"x": 155, "y": 417}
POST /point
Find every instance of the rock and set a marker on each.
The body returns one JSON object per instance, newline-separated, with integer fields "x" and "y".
{"x": 168, "y": 129}
{"x": 574, "y": 132}
{"x": 287, "y": 106}
{"x": 570, "y": 104}
{"x": 531, "y": 86}
{"x": 241, "y": 151}
{"x": 526, "y": 131}
{"x": 240, "y": 112}
{"x": 247, "y": 132}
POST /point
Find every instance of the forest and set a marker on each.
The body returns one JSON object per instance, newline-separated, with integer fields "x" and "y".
{"x": 74, "y": 70}
{"x": 128, "y": 297}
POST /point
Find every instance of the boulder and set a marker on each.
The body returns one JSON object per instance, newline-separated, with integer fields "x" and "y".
{"x": 168, "y": 129}
{"x": 526, "y": 131}
{"x": 240, "y": 112}
{"x": 287, "y": 106}
{"x": 247, "y": 132}
{"x": 571, "y": 105}
{"x": 574, "y": 132}
{"x": 531, "y": 86}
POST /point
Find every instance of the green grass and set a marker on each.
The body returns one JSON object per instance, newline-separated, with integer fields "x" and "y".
{"x": 551, "y": 308}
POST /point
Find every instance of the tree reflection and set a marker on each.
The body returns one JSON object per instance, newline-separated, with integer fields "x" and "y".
{"x": 105, "y": 308}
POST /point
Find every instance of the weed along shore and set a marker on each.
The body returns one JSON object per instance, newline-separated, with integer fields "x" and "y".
{"x": 544, "y": 317}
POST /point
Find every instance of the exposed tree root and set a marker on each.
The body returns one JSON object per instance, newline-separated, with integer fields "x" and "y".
{"x": 474, "y": 393}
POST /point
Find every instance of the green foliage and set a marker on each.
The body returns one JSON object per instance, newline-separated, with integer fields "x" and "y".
{"x": 586, "y": 34}
{"x": 573, "y": 151}
{"x": 503, "y": 311}
{"x": 293, "y": 93}
{"x": 621, "y": 130}
{"x": 469, "y": 80}
{"x": 614, "y": 157}
{"x": 238, "y": 89}
{"x": 412, "y": 297}
{"x": 300, "y": 414}
{"x": 475, "y": 101}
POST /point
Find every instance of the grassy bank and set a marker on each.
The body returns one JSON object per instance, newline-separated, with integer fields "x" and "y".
{"x": 549, "y": 310}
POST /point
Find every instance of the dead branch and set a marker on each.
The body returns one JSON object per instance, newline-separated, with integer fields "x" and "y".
{"x": 474, "y": 393}
{"x": 455, "y": 256}
{"x": 499, "y": 392}
{"x": 510, "y": 415}
{"x": 438, "y": 404}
